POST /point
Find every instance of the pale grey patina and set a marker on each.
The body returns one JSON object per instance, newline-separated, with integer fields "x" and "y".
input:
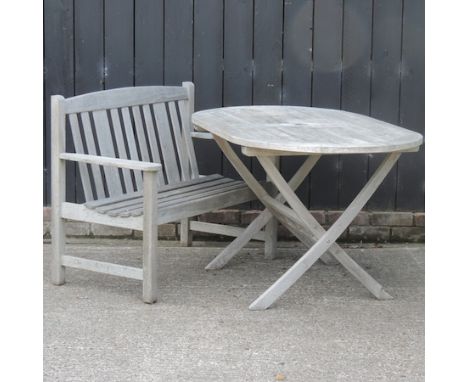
{"x": 306, "y": 130}
{"x": 268, "y": 132}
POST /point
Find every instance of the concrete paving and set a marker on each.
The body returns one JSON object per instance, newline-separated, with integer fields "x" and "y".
{"x": 325, "y": 328}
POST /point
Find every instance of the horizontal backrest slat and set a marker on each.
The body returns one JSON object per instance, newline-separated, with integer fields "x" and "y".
{"x": 123, "y": 97}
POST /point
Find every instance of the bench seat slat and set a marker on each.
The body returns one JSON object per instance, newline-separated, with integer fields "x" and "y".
{"x": 102, "y": 202}
{"x": 222, "y": 185}
{"x": 166, "y": 196}
{"x": 172, "y": 197}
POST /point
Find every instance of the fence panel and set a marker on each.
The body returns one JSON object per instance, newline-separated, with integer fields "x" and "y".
{"x": 366, "y": 56}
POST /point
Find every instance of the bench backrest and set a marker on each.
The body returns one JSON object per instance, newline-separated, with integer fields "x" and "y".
{"x": 148, "y": 123}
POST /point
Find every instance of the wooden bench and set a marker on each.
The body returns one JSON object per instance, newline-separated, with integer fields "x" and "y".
{"x": 138, "y": 169}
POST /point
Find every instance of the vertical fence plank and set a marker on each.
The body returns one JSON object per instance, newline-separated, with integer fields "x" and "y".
{"x": 89, "y": 52}
{"x": 149, "y": 42}
{"x": 58, "y": 79}
{"x": 356, "y": 85}
{"x": 267, "y": 60}
{"x": 89, "y": 46}
{"x": 178, "y": 36}
{"x": 297, "y": 75}
{"x": 326, "y": 92}
{"x": 118, "y": 43}
{"x": 410, "y": 187}
{"x": 267, "y": 52}
{"x": 238, "y": 46}
{"x": 385, "y": 94}
{"x": 208, "y": 74}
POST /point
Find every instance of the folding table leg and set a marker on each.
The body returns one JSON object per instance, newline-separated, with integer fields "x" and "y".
{"x": 260, "y": 221}
{"x": 271, "y": 229}
{"x": 312, "y": 255}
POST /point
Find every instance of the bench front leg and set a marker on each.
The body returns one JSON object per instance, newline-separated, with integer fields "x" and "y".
{"x": 57, "y": 274}
{"x": 150, "y": 238}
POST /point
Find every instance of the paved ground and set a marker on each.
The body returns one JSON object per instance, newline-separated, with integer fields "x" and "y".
{"x": 325, "y": 328}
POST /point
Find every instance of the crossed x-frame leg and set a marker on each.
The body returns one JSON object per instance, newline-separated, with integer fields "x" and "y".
{"x": 301, "y": 223}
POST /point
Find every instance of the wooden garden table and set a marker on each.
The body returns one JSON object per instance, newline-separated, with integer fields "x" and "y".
{"x": 268, "y": 132}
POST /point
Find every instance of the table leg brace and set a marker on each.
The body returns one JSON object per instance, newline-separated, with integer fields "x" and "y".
{"x": 260, "y": 221}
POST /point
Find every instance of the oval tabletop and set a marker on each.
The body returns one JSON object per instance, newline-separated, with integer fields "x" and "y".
{"x": 305, "y": 130}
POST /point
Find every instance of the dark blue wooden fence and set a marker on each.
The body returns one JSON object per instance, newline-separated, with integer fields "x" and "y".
{"x": 365, "y": 56}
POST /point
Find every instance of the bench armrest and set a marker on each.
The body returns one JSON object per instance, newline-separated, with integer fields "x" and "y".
{"x": 201, "y": 135}
{"x": 108, "y": 161}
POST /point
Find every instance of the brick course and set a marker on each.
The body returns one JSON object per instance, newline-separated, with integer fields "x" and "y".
{"x": 373, "y": 226}
{"x": 403, "y": 219}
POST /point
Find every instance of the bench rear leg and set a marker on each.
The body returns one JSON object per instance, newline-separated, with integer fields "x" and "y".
{"x": 186, "y": 234}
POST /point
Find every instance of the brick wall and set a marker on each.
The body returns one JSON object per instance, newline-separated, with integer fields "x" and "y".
{"x": 367, "y": 226}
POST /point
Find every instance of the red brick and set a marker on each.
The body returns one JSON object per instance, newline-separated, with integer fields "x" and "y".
{"x": 46, "y": 213}
{"x": 419, "y": 219}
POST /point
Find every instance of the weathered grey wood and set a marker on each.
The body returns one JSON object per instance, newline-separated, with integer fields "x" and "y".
{"x": 253, "y": 152}
{"x": 162, "y": 190}
{"x": 205, "y": 204}
{"x": 186, "y": 235}
{"x": 312, "y": 255}
{"x": 104, "y": 141}
{"x": 89, "y": 138}
{"x": 186, "y": 121}
{"x": 127, "y": 139}
{"x": 132, "y": 146}
{"x": 190, "y": 87}
{"x": 120, "y": 148}
{"x": 58, "y": 189}
{"x": 79, "y": 148}
{"x": 140, "y": 134}
{"x": 79, "y": 212}
{"x": 222, "y": 229}
{"x": 124, "y": 97}
{"x": 133, "y": 205}
{"x": 114, "y": 162}
{"x": 102, "y": 267}
{"x": 295, "y": 223}
{"x": 306, "y": 130}
{"x": 260, "y": 221}
{"x": 150, "y": 238}
{"x": 201, "y": 135}
{"x": 180, "y": 143}
{"x": 271, "y": 230}
{"x": 152, "y": 140}
{"x": 167, "y": 146}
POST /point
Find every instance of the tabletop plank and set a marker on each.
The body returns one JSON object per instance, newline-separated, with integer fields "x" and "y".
{"x": 305, "y": 130}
